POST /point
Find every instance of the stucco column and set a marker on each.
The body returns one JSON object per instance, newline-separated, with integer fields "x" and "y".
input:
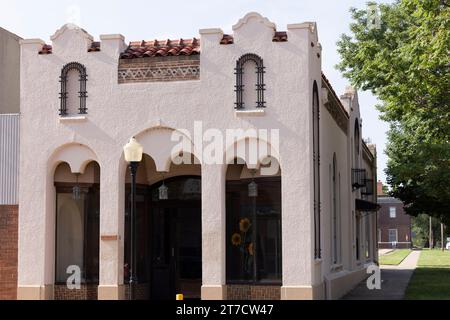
{"x": 112, "y": 190}
{"x": 213, "y": 232}
{"x": 297, "y": 232}
{"x": 36, "y": 234}
{"x": 36, "y": 205}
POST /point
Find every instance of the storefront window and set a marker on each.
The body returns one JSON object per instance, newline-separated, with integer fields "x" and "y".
{"x": 254, "y": 231}
{"x": 77, "y": 233}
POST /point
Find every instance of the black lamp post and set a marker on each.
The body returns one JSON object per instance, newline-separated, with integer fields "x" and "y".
{"x": 133, "y": 155}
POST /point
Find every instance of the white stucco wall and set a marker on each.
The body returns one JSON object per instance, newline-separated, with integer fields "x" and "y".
{"x": 117, "y": 112}
{"x": 334, "y": 141}
{"x": 150, "y": 111}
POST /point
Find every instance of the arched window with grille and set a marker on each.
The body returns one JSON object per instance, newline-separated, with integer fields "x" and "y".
{"x": 316, "y": 166}
{"x": 335, "y": 217}
{"x": 357, "y": 142}
{"x": 69, "y": 94}
{"x": 249, "y": 82}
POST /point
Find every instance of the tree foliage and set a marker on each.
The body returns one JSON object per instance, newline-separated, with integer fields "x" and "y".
{"x": 404, "y": 61}
{"x": 420, "y": 227}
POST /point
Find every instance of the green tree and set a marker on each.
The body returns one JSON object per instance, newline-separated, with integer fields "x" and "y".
{"x": 420, "y": 227}
{"x": 404, "y": 61}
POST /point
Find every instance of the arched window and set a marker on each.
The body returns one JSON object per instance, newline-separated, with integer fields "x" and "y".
{"x": 356, "y": 142}
{"x": 316, "y": 161}
{"x": 249, "y": 71}
{"x": 335, "y": 213}
{"x": 67, "y": 90}
{"x": 253, "y": 226}
{"x": 77, "y": 230}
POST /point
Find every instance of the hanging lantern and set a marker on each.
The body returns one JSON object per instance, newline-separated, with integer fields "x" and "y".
{"x": 163, "y": 192}
{"x": 76, "y": 190}
{"x": 252, "y": 189}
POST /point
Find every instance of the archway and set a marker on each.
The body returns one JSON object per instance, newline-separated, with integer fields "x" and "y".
{"x": 77, "y": 231}
{"x": 253, "y": 229}
{"x": 168, "y": 228}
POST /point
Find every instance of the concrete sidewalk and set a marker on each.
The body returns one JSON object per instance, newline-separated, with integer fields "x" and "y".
{"x": 394, "y": 281}
{"x": 382, "y": 252}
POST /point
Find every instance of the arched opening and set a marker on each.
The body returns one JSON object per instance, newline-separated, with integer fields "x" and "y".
{"x": 336, "y": 219}
{"x": 316, "y": 166}
{"x": 77, "y": 232}
{"x": 73, "y": 89}
{"x": 250, "y": 85}
{"x": 168, "y": 230}
{"x": 253, "y": 226}
{"x": 357, "y": 143}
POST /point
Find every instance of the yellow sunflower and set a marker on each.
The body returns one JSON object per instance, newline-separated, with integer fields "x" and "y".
{"x": 236, "y": 239}
{"x": 244, "y": 225}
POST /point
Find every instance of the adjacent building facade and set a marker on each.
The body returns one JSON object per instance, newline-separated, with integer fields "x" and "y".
{"x": 255, "y": 181}
{"x": 9, "y": 161}
{"x": 394, "y": 225}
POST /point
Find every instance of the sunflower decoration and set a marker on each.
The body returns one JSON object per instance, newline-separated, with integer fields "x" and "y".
{"x": 242, "y": 241}
{"x": 244, "y": 224}
{"x": 250, "y": 248}
{"x": 236, "y": 239}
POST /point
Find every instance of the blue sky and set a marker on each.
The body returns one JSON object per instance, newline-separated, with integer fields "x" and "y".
{"x": 140, "y": 19}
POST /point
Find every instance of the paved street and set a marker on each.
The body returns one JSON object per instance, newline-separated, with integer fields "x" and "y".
{"x": 394, "y": 281}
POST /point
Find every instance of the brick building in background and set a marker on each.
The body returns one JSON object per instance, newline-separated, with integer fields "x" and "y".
{"x": 394, "y": 225}
{"x": 9, "y": 161}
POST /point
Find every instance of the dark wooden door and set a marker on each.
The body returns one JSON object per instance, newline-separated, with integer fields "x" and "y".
{"x": 188, "y": 251}
{"x": 163, "y": 262}
{"x": 176, "y": 250}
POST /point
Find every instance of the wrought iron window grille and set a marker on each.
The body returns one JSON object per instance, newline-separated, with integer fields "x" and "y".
{"x": 82, "y": 94}
{"x": 259, "y": 86}
{"x": 368, "y": 188}
{"x": 359, "y": 177}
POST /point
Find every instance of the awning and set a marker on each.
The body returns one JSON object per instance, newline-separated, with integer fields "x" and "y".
{"x": 364, "y": 205}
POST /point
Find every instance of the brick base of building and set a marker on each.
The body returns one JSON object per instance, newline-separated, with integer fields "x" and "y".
{"x": 141, "y": 291}
{"x": 86, "y": 292}
{"x": 248, "y": 292}
{"x": 8, "y": 251}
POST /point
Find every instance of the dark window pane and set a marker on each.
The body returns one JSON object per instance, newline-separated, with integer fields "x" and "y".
{"x": 254, "y": 231}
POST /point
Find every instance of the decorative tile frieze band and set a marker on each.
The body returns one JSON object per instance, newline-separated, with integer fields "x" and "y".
{"x": 154, "y": 69}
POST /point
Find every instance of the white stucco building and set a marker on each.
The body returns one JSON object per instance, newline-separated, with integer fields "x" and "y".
{"x": 306, "y": 232}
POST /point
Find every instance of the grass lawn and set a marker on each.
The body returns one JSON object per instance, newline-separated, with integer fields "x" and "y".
{"x": 434, "y": 258}
{"x": 394, "y": 257}
{"x": 431, "y": 279}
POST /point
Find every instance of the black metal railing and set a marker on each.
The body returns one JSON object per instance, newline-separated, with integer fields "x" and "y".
{"x": 368, "y": 188}
{"x": 359, "y": 177}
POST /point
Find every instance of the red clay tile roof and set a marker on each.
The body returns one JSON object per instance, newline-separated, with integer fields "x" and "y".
{"x": 227, "y": 39}
{"x": 95, "y": 47}
{"x": 279, "y": 36}
{"x": 155, "y": 48}
{"x": 47, "y": 49}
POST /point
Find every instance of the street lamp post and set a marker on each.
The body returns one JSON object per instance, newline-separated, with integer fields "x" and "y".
{"x": 133, "y": 155}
